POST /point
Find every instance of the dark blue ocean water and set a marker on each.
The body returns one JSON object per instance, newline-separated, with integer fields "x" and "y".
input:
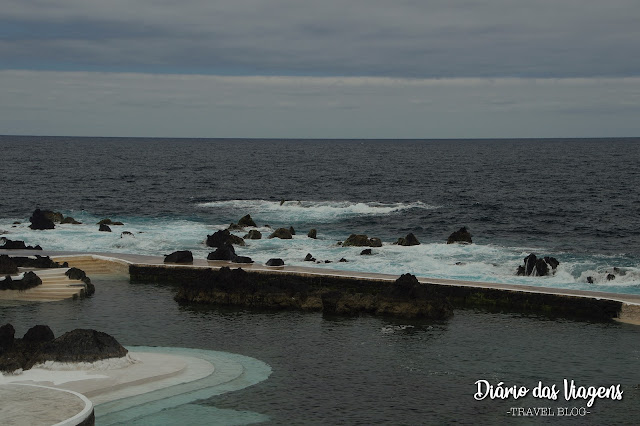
{"x": 574, "y": 199}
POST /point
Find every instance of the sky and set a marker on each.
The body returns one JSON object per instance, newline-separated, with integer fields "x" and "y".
{"x": 320, "y": 69}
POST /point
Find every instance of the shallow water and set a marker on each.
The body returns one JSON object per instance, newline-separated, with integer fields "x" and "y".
{"x": 365, "y": 370}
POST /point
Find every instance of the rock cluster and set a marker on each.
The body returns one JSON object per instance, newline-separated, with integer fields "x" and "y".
{"x": 28, "y": 280}
{"x": 538, "y": 267}
{"x": 222, "y": 237}
{"x": 361, "y": 240}
{"x": 16, "y": 245}
{"x": 39, "y": 345}
{"x": 227, "y": 252}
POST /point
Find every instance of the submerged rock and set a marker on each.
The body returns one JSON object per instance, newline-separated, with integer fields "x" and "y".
{"x": 109, "y": 222}
{"x": 180, "y": 256}
{"x": 462, "y": 235}
{"x": 40, "y": 221}
{"x": 366, "y": 252}
{"x": 70, "y": 220}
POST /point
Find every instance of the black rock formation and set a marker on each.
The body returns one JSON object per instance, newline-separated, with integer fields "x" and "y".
{"x": 462, "y": 235}
{"x": 361, "y": 240}
{"x": 29, "y": 280}
{"x": 309, "y": 258}
{"x": 180, "y": 256}
{"x": 293, "y": 231}
{"x": 312, "y": 233}
{"x": 70, "y": 220}
{"x": 109, "y": 222}
{"x": 16, "y": 245}
{"x": 222, "y": 237}
{"x": 275, "y": 262}
{"x": 246, "y": 221}
{"x": 282, "y": 233}
{"x": 225, "y": 252}
{"x": 7, "y": 265}
{"x": 104, "y": 228}
{"x": 538, "y": 267}
{"x": 253, "y": 234}
{"x": 38, "y": 334}
{"x": 366, "y": 252}
{"x": 40, "y": 221}
{"x": 409, "y": 240}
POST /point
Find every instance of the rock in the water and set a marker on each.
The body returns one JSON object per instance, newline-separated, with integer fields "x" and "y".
{"x": 235, "y": 227}
{"x": 226, "y": 252}
{"x": 366, "y": 252}
{"x": 246, "y": 221}
{"x": 242, "y": 259}
{"x": 7, "y": 265}
{"x": 104, "y": 228}
{"x": 76, "y": 274}
{"x": 38, "y": 334}
{"x": 275, "y": 262}
{"x": 127, "y": 234}
{"x": 222, "y": 237}
{"x": 293, "y": 231}
{"x": 40, "y": 221}
{"x": 590, "y": 280}
{"x": 282, "y": 233}
{"x": 7, "y": 335}
{"x": 611, "y": 277}
{"x": 253, "y": 234}
{"x": 342, "y": 260}
{"x": 538, "y": 267}
{"x": 312, "y": 233}
{"x": 361, "y": 240}
{"x": 109, "y": 222}
{"x": 80, "y": 345}
{"x": 16, "y": 245}
{"x": 55, "y": 217}
{"x": 409, "y": 240}
{"x": 462, "y": 235}
{"x": 309, "y": 258}
{"x": 180, "y": 256}
{"x": 70, "y": 220}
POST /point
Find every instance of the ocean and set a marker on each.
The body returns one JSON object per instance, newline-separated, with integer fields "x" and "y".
{"x": 575, "y": 200}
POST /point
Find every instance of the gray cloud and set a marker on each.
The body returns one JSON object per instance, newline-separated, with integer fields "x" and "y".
{"x": 121, "y": 104}
{"x": 441, "y": 38}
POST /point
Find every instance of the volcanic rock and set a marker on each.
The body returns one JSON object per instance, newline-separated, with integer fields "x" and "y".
{"x": 225, "y": 252}
{"x": 538, "y": 267}
{"x": 7, "y": 265}
{"x": 104, "y": 228}
{"x": 409, "y": 240}
{"x": 80, "y": 345}
{"x": 55, "y": 217}
{"x": 309, "y": 258}
{"x": 29, "y": 280}
{"x": 282, "y": 233}
{"x": 222, "y": 237}
{"x": 293, "y": 231}
{"x": 109, "y": 222}
{"x": 40, "y": 221}
{"x": 312, "y": 233}
{"x": 127, "y": 233}
{"x": 462, "y": 235}
{"x": 275, "y": 262}
{"x": 246, "y": 221}
{"x": 361, "y": 240}
{"x": 366, "y": 252}
{"x": 7, "y": 334}
{"x": 38, "y": 334}
{"x": 253, "y": 234}
{"x": 180, "y": 256}
{"x": 70, "y": 220}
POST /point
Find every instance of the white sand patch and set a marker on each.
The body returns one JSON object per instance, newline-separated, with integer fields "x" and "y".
{"x": 100, "y": 365}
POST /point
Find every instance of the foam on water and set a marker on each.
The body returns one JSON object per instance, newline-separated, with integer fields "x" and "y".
{"x": 474, "y": 262}
{"x": 311, "y": 211}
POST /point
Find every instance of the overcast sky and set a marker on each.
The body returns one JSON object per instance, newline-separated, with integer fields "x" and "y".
{"x": 320, "y": 69}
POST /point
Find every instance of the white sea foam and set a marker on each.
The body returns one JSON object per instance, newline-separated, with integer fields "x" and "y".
{"x": 312, "y": 211}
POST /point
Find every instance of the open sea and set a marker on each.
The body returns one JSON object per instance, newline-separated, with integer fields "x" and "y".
{"x": 575, "y": 199}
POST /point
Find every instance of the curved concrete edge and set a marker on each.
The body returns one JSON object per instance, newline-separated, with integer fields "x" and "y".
{"x": 79, "y": 418}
